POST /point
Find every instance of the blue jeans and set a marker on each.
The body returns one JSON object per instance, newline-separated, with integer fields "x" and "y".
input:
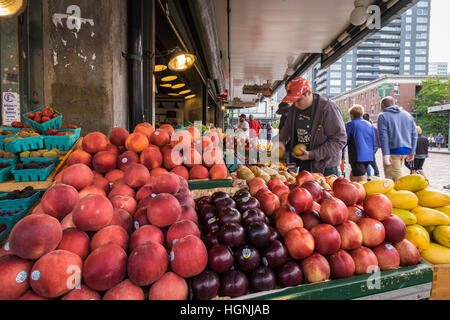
{"x": 375, "y": 167}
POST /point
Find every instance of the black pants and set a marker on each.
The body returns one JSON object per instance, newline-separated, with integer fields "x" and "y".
{"x": 415, "y": 165}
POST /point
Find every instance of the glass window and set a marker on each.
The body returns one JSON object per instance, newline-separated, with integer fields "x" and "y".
{"x": 335, "y": 75}
{"x": 408, "y": 27}
{"x": 422, "y": 27}
{"x": 407, "y": 51}
{"x": 421, "y": 44}
{"x": 407, "y": 59}
{"x": 423, "y": 4}
{"x": 409, "y": 12}
{"x": 422, "y": 20}
{"x": 396, "y": 90}
{"x": 421, "y": 36}
{"x": 335, "y": 82}
{"x": 406, "y": 73}
{"x": 420, "y": 73}
{"x": 349, "y": 67}
{"x": 408, "y": 35}
{"x": 420, "y": 67}
{"x": 335, "y": 67}
{"x": 422, "y": 12}
{"x": 407, "y": 43}
{"x": 408, "y": 19}
{"x": 348, "y": 83}
{"x": 421, "y": 59}
{"x": 421, "y": 51}
{"x": 349, "y": 59}
{"x": 335, "y": 90}
{"x": 407, "y": 67}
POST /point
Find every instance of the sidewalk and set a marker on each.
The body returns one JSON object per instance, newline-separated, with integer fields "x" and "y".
{"x": 442, "y": 151}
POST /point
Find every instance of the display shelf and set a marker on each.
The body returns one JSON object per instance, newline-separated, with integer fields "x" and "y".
{"x": 441, "y": 282}
{"x": 210, "y": 184}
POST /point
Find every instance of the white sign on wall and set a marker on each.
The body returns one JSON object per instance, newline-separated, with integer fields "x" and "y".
{"x": 10, "y": 108}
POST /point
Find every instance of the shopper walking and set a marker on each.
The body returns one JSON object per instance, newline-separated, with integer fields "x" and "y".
{"x": 374, "y": 163}
{"x": 243, "y": 129}
{"x": 439, "y": 141}
{"x": 315, "y": 122}
{"x": 431, "y": 141}
{"x": 269, "y": 132}
{"x": 398, "y": 138}
{"x": 361, "y": 144}
{"x": 416, "y": 166}
{"x": 255, "y": 127}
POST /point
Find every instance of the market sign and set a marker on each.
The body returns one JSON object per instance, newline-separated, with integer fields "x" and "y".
{"x": 239, "y": 104}
{"x": 384, "y": 90}
{"x": 265, "y": 89}
{"x": 10, "y": 108}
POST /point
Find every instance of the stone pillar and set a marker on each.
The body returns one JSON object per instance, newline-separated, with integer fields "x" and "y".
{"x": 85, "y": 75}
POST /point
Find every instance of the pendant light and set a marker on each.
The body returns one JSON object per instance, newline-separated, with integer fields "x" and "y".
{"x": 12, "y": 8}
{"x": 181, "y": 61}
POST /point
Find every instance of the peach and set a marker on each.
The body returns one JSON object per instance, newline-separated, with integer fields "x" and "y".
{"x": 122, "y": 190}
{"x": 387, "y": 256}
{"x": 56, "y": 274}
{"x": 192, "y": 158}
{"x": 300, "y": 199}
{"x": 136, "y": 142}
{"x": 280, "y": 190}
{"x": 114, "y": 234}
{"x": 58, "y": 201}
{"x": 218, "y": 172}
{"x": 169, "y": 287}
{"x": 170, "y": 130}
{"x": 114, "y": 175}
{"x": 102, "y": 183}
{"x": 145, "y": 130}
{"x": 166, "y": 183}
{"x": 160, "y": 138}
{"x": 151, "y": 158}
{"x": 80, "y": 156}
{"x": 92, "y": 213}
{"x": 269, "y": 203}
{"x": 78, "y": 176}
{"x": 395, "y": 229}
{"x": 181, "y": 171}
{"x": 347, "y": 193}
{"x": 184, "y": 197}
{"x": 181, "y": 229}
{"x": 181, "y": 140}
{"x": 286, "y": 221}
{"x": 188, "y": 213}
{"x": 126, "y": 290}
{"x": 257, "y": 184}
{"x": 126, "y": 203}
{"x": 373, "y": 232}
{"x": 91, "y": 190}
{"x": 118, "y": 136}
{"x": 195, "y": 133}
{"x": 83, "y": 293}
{"x": 409, "y": 254}
{"x": 351, "y": 235}
{"x": 147, "y": 264}
{"x": 341, "y": 265}
{"x": 189, "y": 257}
{"x": 333, "y": 211}
{"x": 326, "y": 238}
{"x": 158, "y": 171}
{"x": 355, "y": 213}
{"x": 316, "y": 268}
{"x": 299, "y": 243}
{"x": 34, "y": 236}
{"x": 105, "y": 267}
{"x": 198, "y": 172}
{"x": 378, "y": 206}
{"x": 67, "y": 222}
{"x": 30, "y": 296}
{"x": 123, "y": 219}
{"x": 14, "y": 280}
{"x": 38, "y": 209}
{"x": 136, "y": 176}
{"x": 126, "y": 159}
{"x": 146, "y": 234}
{"x": 144, "y": 192}
{"x": 140, "y": 218}
{"x": 94, "y": 142}
{"x": 113, "y": 149}
{"x": 75, "y": 241}
{"x": 163, "y": 210}
{"x": 172, "y": 158}
{"x": 365, "y": 260}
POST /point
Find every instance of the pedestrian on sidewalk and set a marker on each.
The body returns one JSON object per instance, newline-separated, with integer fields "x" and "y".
{"x": 255, "y": 127}
{"x": 430, "y": 141}
{"x": 398, "y": 138}
{"x": 361, "y": 144}
{"x": 269, "y": 132}
{"x": 416, "y": 166}
{"x": 439, "y": 141}
{"x": 374, "y": 163}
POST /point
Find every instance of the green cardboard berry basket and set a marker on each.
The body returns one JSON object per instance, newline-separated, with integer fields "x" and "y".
{"x": 25, "y": 144}
{"x": 13, "y": 161}
{"x": 2, "y": 139}
{"x": 5, "y": 174}
{"x": 11, "y": 129}
{"x": 62, "y": 143}
{"x": 55, "y": 160}
{"x": 18, "y": 204}
{"x": 33, "y": 174}
{"x": 54, "y": 123}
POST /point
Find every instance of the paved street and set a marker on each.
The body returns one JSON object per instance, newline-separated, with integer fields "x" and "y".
{"x": 437, "y": 170}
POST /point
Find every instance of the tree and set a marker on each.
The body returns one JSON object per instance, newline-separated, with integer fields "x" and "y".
{"x": 344, "y": 113}
{"x": 434, "y": 92}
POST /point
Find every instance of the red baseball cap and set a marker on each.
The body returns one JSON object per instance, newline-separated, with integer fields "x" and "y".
{"x": 295, "y": 89}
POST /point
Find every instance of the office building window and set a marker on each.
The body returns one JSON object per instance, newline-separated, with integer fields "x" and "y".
{"x": 348, "y": 83}
{"x": 407, "y": 43}
{"x": 407, "y": 51}
{"x": 422, "y": 4}
{"x": 422, "y": 20}
{"x": 408, "y": 35}
{"x": 349, "y": 75}
{"x": 349, "y": 67}
{"x": 408, "y": 19}
{"x": 420, "y": 73}
{"x": 421, "y": 36}
{"x": 335, "y": 90}
{"x": 421, "y": 44}
{"x": 409, "y": 12}
{"x": 335, "y": 82}
{"x": 407, "y": 59}
{"x": 421, "y": 59}
{"x": 421, "y": 51}
{"x": 406, "y": 73}
{"x": 335, "y": 67}
{"x": 407, "y": 67}
{"x": 422, "y": 27}
{"x": 420, "y": 67}
{"x": 335, "y": 75}
{"x": 408, "y": 27}
{"x": 349, "y": 59}
{"x": 422, "y": 12}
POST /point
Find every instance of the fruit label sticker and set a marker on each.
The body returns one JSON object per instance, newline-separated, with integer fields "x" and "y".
{"x": 172, "y": 256}
{"x": 6, "y": 247}
{"x": 136, "y": 225}
{"x": 245, "y": 214}
{"x": 359, "y": 213}
{"x": 212, "y": 220}
{"x": 153, "y": 195}
{"x": 156, "y": 133}
{"x": 292, "y": 209}
{"x": 378, "y": 226}
{"x": 245, "y": 199}
{"x": 125, "y": 160}
{"x": 389, "y": 247}
{"x": 246, "y": 253}
{"x": 386, "y": 185}
{"x": 22, "y": 277}
{"x": 36, "y": 275}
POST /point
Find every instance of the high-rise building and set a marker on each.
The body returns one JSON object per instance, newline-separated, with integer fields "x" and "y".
{"x": 438, "y": 68}
{"x": 399, "y": 48}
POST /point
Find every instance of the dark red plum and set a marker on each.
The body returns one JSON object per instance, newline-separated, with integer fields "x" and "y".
{"x": 262, "y": 279}
{"x": 243, "y": 193}
{"x": 229, "y": 215}
{"x": 221, "y": 259}
{"x": 274, "y": 234}
{"x": 258, "y": 234}
{"x": 232, "y": 234}
{"x": 202, "y": 202}
{"x": 253, "y": 215}
{"x": 274, "y": 255}
{"x": 207, "y": 213}
{"x": 247, "y": 258}
{"x": 206, "y": 285}
{"x": 211, "y": 239}
{"x": 245, "y": 204}
{"x": 216, "y": 197}
{"x": 234, "y": 284}
{"x": 225, "y": 203}
{"x": 290, "y": 275}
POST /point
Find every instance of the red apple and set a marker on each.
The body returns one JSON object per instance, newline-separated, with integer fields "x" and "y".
{"x": 378, "y": 206}
{"x": 341, "y": 265}
{"x": 351, "y": 235}
{"x": 333, "y": 211}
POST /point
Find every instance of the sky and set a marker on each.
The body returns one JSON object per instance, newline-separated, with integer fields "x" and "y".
{"x": 440, "y": 31}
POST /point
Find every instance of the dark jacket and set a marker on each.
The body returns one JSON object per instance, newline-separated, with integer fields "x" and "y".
{"x": 422, "y": 145}
{"x": 328, "y": 135}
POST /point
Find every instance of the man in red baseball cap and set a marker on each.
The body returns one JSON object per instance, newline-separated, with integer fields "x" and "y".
{"x": 317, "y": 123}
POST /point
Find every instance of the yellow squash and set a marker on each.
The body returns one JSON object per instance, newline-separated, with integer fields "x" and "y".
{"x": 436, "y": 254}
{"x": 433, "y": 199}
{"x": 413, "y": 183}
{"x": 429, "y": 217}
{"x": 418, "y": 236}
{"x": 406, "y": 200}
{"x": 445, "y": 210}
{"x": 379, "y": 186}
{"x": 408, "y": 217}
{"x": 442, "y": 235}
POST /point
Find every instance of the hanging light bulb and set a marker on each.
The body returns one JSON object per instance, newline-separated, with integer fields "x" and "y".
{"x": 178, "y": 86}
{"x": 185, "y": 91}
{"x": 182, "y": 61}
{"x": 160, "y": 68}
{"x": 190, "y": 96}
{"x": 166, "y": 85}
{"x": 169, "y": 78}
{"x": 12, "y": 8}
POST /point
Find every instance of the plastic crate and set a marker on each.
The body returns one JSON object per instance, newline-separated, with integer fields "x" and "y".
{"x": 5, "y": 174}
{"x": 33, "y": 174}
{"x": 54, "y": 123}
{"x": 10, "y": 222}
{"x": 55, "y": 160}
{"x": 18, "y": 204}
{"x": 13, "y": 161}
{"x": 2, "y": 139}
{"x": 25, "y": 144}
{"x": 62, "y": 143}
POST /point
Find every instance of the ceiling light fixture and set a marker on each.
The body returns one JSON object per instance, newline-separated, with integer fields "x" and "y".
{"x": 160, "y": 68}
{"x": 181, "y": 61}
{"x": 169, "y": 78}
{"x": 185, "y": 91}
{"x": 178, "y": 86}
{"x": 12, "y": 8}
{"x": 166, "y": 85}
{"x": 359, "y": 15}
{"x": 190, "y": 96}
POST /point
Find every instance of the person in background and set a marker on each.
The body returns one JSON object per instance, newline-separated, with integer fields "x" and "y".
{"x": 255, "y": 127}
{"x": 398, "y": 138}
{"x": 361, "y": 144}
{"x": 439, "y": 140}
{"x": 374, "y": 163}
{"x": 430, "y": 141}
{"x": 283, "y": 110}
{"x": 416, "y": 166}
{"x": 316, "y": 122}
{"x": 243, "y": 127}
{"x": 269, "y": 132}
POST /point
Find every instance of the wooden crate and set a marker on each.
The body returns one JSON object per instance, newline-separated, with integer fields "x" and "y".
{"x": 441, "y": 282}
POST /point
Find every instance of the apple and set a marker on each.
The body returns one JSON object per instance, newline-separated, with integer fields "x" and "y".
{"x": 326, "y": 238}
{"x": 395, "y": 229}
{"x": 388, "y": 257}
{"x": 316, "y": 268}
{"x": 409, "y": 254}
{"x": 341, "y": 265}
{"x": 311, "y": 218}
{"x": 365, "y": 260}
{"x": 361, "y": 190}
{"x": 338, "y": 182}
{"x": 373, "y": 232}
{"x": 355, "y": 213}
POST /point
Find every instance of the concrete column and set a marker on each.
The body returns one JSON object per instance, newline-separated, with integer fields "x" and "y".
{"x": 85, "y": 75}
